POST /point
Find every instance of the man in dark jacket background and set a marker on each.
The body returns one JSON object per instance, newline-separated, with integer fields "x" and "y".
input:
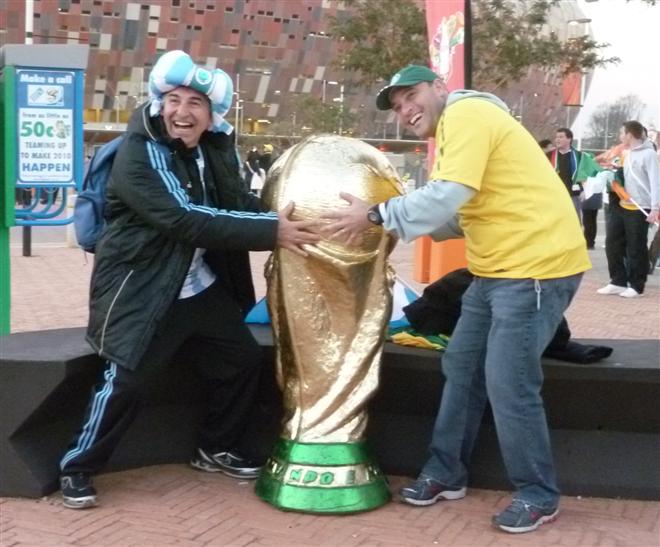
{"x": 172, "y": 268}
{"x": 566, "y": 159}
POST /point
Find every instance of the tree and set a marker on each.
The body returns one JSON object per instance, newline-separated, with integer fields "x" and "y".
{"x": 603, "y": 129}
{"x": 311, "y": 115}
{"x": 507, "y": 39}
{"x": 380, "y": 37}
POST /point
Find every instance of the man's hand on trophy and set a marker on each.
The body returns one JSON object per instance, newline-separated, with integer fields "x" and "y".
{"x": 348, "y": 224}
{"x": 293, "y": 234}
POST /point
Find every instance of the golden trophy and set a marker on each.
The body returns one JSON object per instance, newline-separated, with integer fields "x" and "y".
{"x": 329, "y": 313}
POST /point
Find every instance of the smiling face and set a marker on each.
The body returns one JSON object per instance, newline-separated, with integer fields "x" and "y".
{"x": 420, "y": 106}
{"x": 187, "y": 114}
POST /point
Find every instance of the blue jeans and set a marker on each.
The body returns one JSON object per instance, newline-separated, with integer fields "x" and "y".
{"x": 495, "y": 354}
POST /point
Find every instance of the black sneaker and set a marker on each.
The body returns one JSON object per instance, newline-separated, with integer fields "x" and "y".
{"x": 427, "y": 491}
{"x": 77, "y": 491}
{"x": 231, "y": 463}
{"x": 522, "y": 517}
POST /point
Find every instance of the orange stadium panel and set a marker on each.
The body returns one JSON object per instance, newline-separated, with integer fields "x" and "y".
{"x": 422, "y": 260}
{"x": 446, "y": 256}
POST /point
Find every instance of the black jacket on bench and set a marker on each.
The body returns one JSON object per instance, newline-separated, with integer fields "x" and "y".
{"x": 438, "y": 309}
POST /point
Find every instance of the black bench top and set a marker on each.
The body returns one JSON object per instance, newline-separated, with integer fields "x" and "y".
{"x": 631, "y": 360}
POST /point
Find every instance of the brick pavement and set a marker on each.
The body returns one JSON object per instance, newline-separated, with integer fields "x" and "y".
{"x": 174, "y": 505}
{"x": 49, "y": 290}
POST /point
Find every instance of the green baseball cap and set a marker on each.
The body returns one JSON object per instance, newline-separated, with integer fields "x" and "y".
{"x": 406, "y": 77}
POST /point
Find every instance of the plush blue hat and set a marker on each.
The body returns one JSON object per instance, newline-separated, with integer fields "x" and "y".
{"x": 175, "y": 69}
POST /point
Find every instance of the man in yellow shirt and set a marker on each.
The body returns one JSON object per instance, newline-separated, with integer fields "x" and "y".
{"x": 492, "y": 184}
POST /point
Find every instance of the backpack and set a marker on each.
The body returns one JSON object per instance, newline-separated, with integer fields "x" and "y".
{"x": 89, "y": 210}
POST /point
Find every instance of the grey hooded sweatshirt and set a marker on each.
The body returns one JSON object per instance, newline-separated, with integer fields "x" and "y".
{"x": 641, "y": 172}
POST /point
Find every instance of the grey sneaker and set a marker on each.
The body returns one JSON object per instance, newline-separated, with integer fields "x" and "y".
{"x": 77, "y": 491}
{"x": 427, "y": 491}
{"x": 521, "y": 517}
{"x": 230, "y": 463}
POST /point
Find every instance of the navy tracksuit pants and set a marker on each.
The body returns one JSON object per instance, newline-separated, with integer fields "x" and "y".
{"x": 218, "y": 344}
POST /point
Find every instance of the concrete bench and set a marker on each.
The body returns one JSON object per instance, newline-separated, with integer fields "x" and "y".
{"x": 604, "y": 418}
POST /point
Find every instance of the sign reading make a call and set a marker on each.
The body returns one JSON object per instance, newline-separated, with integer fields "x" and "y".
{"x": 45, "y": 102}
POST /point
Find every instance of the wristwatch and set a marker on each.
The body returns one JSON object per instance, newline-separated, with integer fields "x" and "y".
{"x": 374, "y": 216}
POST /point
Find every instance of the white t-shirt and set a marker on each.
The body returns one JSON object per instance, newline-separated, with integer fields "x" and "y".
{"x": 200, "y": 276}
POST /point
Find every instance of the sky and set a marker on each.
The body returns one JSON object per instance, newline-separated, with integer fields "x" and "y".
{"x": 632, "y": 30}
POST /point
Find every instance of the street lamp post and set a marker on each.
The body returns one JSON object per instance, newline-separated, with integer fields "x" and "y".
{"x": 341, "y": 109}
{"x": 582, "y": 91}
{"x": 340, "y": 100}
{"x": 237, "y": 106}
{"x": 607, "y": 125}
{"x": 573, "y": 22}
{"x": 29, "y": 21}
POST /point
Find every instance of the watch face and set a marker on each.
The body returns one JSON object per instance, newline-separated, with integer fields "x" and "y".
{"x": 373, "y": 216}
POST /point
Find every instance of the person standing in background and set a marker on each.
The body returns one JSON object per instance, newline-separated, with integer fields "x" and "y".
{"x": 590, "y": 208}
{"x": 252, "y": 176}
{"x": 546, "y": 145}
{"x": 565, "y": 159}
{"x": 627, "y": 226}
{"x": 266, "y": 158}
{"x": 573, "y": 166}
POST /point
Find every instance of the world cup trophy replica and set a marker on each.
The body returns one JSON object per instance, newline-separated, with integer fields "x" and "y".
{"x": 329, "y": 313}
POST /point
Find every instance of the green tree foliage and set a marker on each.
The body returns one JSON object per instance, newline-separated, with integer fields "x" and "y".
{"x": 380, "y": 37}
{"x": 311, "y": 115}
{"x": 508, "y": 37}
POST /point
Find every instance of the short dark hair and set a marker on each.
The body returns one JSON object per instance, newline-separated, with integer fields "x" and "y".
{"x": 566, "y": 131}
{"x": 635, "y": 128}
{"x": 545, "y": 142}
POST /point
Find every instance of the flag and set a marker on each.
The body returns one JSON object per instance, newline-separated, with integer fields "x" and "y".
{"x": 588, "y": 167}
{"x": 620, "y": 191}
{"x": 402, "y": 295}
{"x": 571, "y": 89}
{"x": 628, "y": 202}
{"x": 597, "y": 183}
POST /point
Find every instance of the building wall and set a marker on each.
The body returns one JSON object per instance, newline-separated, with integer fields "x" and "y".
{"x": 274, "y": 50}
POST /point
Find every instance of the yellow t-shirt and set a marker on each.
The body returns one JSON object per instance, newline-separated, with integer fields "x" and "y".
{"x": 521, "y": 223}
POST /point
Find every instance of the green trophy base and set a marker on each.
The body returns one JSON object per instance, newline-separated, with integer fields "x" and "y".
{"x": 322, "y": 478}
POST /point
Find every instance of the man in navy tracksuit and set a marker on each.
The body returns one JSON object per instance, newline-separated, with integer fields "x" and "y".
{"x": 172, "y": 267}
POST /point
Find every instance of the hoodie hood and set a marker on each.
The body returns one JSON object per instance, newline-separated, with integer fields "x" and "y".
{"x": 460, "y": 94}
{"x": 646, "y": 145}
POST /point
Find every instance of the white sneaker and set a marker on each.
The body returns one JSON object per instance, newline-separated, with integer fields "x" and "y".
{"x": 630, "y": 293}
{"x": 611, "y": 289}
